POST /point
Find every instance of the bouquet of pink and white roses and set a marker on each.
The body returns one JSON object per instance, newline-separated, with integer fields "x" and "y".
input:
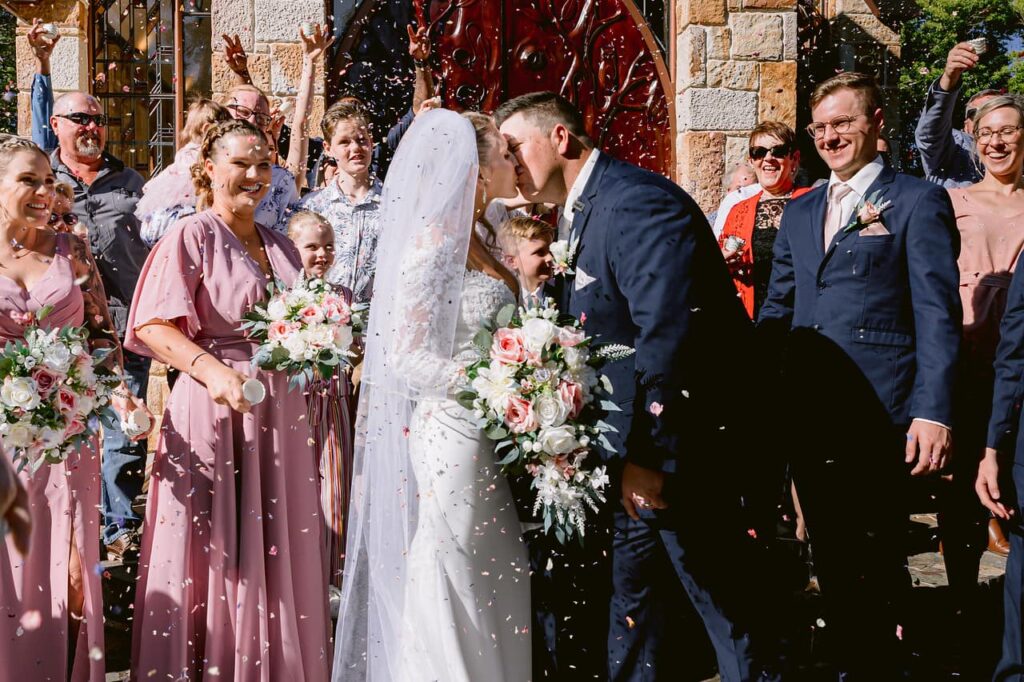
{"x": 538, "y": 392}
{"x": 306, "y": 331}
{"x": 54, "y": 395}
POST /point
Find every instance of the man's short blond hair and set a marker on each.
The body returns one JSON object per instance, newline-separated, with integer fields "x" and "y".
{"x": 523, "y": 228}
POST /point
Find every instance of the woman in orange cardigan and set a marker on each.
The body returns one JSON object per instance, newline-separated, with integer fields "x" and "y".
{"x": 749, "y": 235}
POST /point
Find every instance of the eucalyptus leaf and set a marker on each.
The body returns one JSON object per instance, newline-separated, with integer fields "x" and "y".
{"x": 504, "y": 316}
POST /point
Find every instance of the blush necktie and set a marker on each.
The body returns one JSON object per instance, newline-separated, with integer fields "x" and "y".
{"x": 834, "y": 217}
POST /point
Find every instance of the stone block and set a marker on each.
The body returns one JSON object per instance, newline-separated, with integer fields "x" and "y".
{"x": 286, "y": 69}
{"x": 704, "y": 12}
{"x": 866, "y": 28}
{"x": 701, "y": 165}
{"x": 789, "y": 35}
{"x": 25, "y": 63}
{"x": 769, "y": 4}
{"x": 852, "y": 7}
{"x": 756, "y": 35}
{"x": 692, "y": 54}
{"x": 717, "y": 109}
{"x": 25, "y": 113}
{"x": 68, "y": 62}
{"x": 732, "y": 74}
{"x": 259, "y": 71}
{"x": 51, "y": 11}
{"x": 736, "y": 147}
{"x": 718, "y": 39}
{"x": 777, "y": 101}
{"x": 734, "y": 5}
{"x": 233, "y": 17}
{"x": 277, "y": 21}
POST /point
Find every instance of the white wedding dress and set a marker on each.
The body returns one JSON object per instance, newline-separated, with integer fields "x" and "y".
{"x": 467, "y": 588}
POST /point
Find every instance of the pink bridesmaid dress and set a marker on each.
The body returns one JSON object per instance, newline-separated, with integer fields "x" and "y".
{"x": 64, "y": 503}
{"x": 232, "y": 579}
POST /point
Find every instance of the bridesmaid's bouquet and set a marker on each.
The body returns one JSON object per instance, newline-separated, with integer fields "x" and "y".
{"x": 536, "y": 389}
{"x": 306, "y": 331}
{"x": 54, "y": 395}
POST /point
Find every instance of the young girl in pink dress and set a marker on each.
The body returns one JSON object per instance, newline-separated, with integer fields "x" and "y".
{"x": 51, "y": 610}
{"x": 329, "y": 405}
{"x": 232, "y": 579}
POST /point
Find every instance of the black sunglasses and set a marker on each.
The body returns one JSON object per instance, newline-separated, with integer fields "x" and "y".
{"x": 83, "y": 119}
{"x": 70, "y": 219}
{"x": 778, "y": 151}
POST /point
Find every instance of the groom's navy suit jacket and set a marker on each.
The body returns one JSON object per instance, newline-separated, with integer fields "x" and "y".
{"x": 650, "y": 275}
{"x": 890, "y": 302}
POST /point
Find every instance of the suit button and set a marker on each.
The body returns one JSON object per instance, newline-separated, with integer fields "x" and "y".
{"x": 817, "y": 327}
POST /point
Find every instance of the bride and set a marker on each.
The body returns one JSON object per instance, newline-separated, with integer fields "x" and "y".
{"x": 436, "y": 583}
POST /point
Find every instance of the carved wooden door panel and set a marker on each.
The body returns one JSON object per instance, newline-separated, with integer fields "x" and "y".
{"x": 597, "y": 53}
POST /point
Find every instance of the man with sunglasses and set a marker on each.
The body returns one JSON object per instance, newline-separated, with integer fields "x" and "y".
{"x": 105, "y": 195}
{"x": 865, "y": 290}
{"x": 949, "y": 156}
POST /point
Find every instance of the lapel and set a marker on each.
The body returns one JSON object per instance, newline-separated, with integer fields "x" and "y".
{"x": 880, "y": 185}
{"x": 816, "y": 221}
{"x": 581, "y": 216}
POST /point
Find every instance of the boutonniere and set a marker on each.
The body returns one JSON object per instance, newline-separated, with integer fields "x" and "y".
{"x": 563, "y": 253}
{"x": 868, "y": 212}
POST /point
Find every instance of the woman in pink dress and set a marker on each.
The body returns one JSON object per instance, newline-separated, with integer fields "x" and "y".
{"x": 232, "y": 579}
{"x": 990, "y": 217}
{"x": 51, "y": 610}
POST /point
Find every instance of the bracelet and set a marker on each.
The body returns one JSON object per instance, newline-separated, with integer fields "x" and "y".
{"x": 420, "y": 63}
{"x": 121, "y": 394}
{"x": 192, "y": 364}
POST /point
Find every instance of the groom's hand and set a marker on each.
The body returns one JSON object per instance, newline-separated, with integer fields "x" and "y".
{"x": 930, "y": 444}
{"x": 641, "y": 488}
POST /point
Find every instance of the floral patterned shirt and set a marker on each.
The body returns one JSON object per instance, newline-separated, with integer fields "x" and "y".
{"x": 356, "y": 230}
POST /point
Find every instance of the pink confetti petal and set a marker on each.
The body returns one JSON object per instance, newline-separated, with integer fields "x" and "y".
{"x": 655, "y": 409}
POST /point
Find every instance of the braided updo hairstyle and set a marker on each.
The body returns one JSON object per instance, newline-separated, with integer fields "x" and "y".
{"x": 200, "y": 180}
{"x": 12, "y": 144}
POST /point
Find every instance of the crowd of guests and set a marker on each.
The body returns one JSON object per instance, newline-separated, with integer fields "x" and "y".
{"x": 887, "y": 310}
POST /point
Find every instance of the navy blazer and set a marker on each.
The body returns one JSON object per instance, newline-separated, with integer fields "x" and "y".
{"x": 1004, "y": 428}
{"x": 659, "y": 285}
{"x": 890, "y": 302}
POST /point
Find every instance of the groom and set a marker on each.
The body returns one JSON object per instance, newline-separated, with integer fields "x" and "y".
{"x": 871, "y": 297}
{"x": 648, "y": 274}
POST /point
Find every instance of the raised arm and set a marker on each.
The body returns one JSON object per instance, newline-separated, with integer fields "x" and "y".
{"x": 236, "y": 59}
{"x": 313, "y": 47}
{"x": 42, "y": 90}
{"x": 934, "y": 132}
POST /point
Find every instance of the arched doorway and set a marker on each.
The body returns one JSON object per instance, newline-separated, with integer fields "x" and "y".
{"x": 607, "y": 56}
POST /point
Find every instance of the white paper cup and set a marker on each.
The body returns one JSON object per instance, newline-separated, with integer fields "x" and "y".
{"x": 734, "y": 243}
{"x": 138, "y": 422}
{"x": 49, "y": 31}
{"x": 254, "y": 391}
{"x": 308, "y": 29}
{"x": 979, "y": 45}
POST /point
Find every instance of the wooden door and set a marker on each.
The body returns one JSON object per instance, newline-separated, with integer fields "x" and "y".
{"x": 599, "y": 54}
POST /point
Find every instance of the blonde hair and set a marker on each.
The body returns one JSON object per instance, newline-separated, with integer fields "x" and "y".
{"x": 486, "y": 131}
{"x": 302, "y": 219}
{"x": 12, "y": 144}
{"x": 518, "y": 229}
{"x": 200, "y": 180}
{"x": 1015, "y": 102}
{"x": 202, "y": 114}
{"x": 65, "y": 190}
{"x": 343, "y": 110}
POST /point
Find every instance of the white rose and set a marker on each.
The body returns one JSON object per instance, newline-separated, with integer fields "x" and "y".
{"x": 495, "y": 385}
{"x": 50, "y": 438}
{"x": 559, "y": 251}
{"x": 20, "y": 392}
{"x": 342, "y": 340}
{"x": 86, "y": 373}
{"x": 538, "y": 334}
{"x": 575, "y": 358}
{"x": 550, "y": 410}
{"x": 16, "y": 435}
{"x": 29, "y": 362}
{"x": 57, "y": 357}
{"x": 277, "y": 310}
{"x": 86, "y": 404}
{"x": 558, "y": 440}
{"x": 295, "y": 344}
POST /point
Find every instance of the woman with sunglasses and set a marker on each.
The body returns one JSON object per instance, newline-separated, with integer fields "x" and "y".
{"x": 990, "y": 218}
{"x": 749, "y": 234}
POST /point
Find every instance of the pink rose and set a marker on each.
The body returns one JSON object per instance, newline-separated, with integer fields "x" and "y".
{"x": 508, "y": 347}
{"x": 278, "y": 330}
{"x": 45, "y": 381}
{"x": 336, "y": 309}
{"x": 67, "y": 401}
{"x": 75, "y": 427}
{"x": 21, "y": 318}
{"x": 569, "y": 337}
{"x": 311, "y": 314}
{"x": 571, "y": 393}
{"x": 519, "y": 415}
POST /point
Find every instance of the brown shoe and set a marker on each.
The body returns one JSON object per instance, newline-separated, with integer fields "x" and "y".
{"x": 125, "y": 548}
{"x": 997, "y": 542}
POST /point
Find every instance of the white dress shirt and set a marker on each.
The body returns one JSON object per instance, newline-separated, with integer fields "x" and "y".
{"x": 565, "y": 219}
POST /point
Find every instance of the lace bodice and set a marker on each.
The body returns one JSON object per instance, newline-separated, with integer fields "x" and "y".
{"x": 482, "y": 298}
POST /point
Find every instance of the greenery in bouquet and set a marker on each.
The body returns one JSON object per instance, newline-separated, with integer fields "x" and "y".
{"x": 306, "y": 331}
{"x": 538, "y": 392}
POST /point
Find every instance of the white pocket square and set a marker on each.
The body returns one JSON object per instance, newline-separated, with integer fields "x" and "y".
{"x": 582, "y": 279}
{"x": 874, "y": 230}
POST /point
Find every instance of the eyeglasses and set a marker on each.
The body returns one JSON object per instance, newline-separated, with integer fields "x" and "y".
{"x": 840, "y": 124}
{"x": 82, "y": 119}
{"x": 262, "y": 120}
{"x": 779, "y": 151}
{"x": 1006, "y": 133}
{"x": 69, "y": 219}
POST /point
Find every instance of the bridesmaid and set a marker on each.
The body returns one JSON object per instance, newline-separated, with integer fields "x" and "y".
{"x": 232, "y": 578}
{"x": 329, "y": 405}
{"x": 51, "y": 610}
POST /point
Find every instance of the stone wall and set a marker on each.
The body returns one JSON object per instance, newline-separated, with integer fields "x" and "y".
{"x": 269, "y": 31}
{"x": 735, "y": 66}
